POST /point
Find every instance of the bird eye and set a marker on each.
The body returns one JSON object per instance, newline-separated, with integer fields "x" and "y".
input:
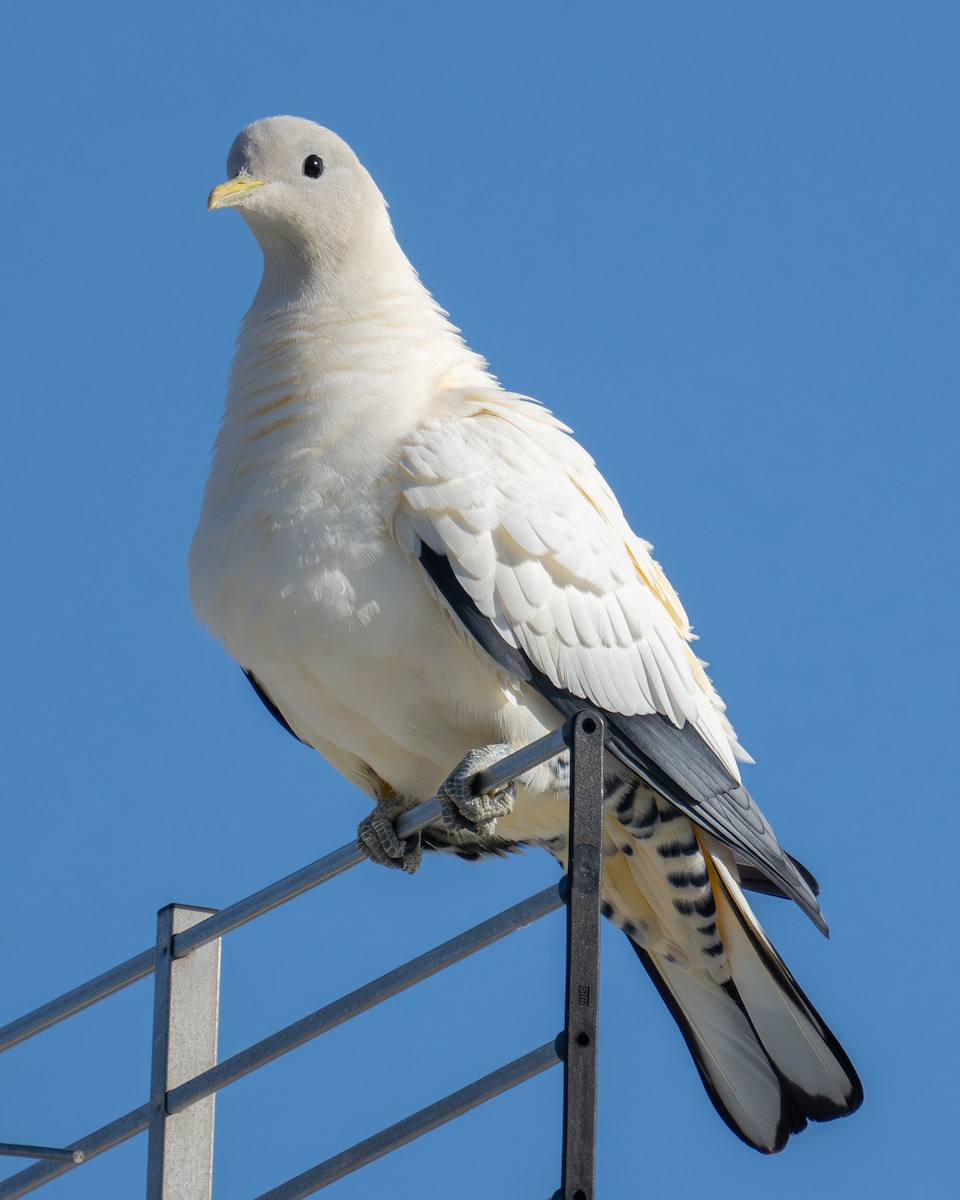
{"x": 313, "y": 166}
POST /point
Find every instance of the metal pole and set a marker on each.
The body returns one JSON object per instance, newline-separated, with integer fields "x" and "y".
{"x": 584, "y": 861}
{"x": 185, "y": 1011}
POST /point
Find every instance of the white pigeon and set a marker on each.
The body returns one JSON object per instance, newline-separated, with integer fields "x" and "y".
{"x": 417, "y": 568}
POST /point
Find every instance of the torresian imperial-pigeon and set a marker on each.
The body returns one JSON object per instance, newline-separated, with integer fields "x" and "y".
{"x": 417, "y": 569}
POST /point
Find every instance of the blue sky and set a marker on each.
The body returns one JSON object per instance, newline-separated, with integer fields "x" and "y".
{"x": 719, "y": 241}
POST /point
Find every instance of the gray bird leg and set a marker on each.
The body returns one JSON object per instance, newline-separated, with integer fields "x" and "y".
{"x": 462, "y": 811}
{"x": 377, "y": 838}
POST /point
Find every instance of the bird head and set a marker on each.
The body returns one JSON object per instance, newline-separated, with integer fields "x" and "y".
{"x": 302, "y": 191}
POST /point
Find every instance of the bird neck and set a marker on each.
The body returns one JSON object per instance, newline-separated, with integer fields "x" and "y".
{"x": 333, "y": 345}
{"x": 360, "y": 308}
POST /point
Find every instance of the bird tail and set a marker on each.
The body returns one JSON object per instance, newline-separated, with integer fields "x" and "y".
{"x": 766, "y": 1058}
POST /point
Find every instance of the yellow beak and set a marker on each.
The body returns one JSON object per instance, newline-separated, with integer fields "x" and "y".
{"x": 232, "y": 192}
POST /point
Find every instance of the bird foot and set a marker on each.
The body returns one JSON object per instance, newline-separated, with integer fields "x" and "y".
{"x": 464, "y": 812}
{"x": 377, "y": 838}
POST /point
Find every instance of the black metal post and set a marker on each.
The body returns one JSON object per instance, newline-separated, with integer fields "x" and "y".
{"x": 585, "y": 855}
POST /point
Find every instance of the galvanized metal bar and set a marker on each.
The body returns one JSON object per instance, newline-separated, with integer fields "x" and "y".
{"x": 16, "y": 1150}
{"x": 104, "y": 1138}
{"x": 76, "y": 1000}
{"x": 524, "y": 759}
{"x": 585, "y": 858}
{"x": 348, "y": 856}
{"x": 366, "y": 997}
{"x": 270, "y": 897}
{"x": 180, "y": 1097}
{"x": 241, "y": 1064}
{"x": 408, "y": 1130}
{"x": 208, "y": 930}
{"x": 185, "y": 1013}
{"x": 262, "y": 901}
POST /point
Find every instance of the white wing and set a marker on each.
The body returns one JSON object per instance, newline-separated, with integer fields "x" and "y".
{"x": 540, "y": 545}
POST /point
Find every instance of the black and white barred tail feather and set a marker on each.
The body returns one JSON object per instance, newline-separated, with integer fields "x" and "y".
{"x": 767, "y": 1059}
{"x": 814, "y": 1066}
{"x": 738, "y": 1075}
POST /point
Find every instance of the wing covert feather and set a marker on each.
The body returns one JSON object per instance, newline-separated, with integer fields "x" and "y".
{"x": 540, "y": 545}
{"x": 533, "y": 554}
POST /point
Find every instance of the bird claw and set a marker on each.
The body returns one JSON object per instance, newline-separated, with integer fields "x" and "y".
{"x": 462, "y": 811}
{"x": 377, "y": 838}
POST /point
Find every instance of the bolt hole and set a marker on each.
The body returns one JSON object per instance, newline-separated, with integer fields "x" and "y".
{"x": 580, "y": 1194}
{"x": 583, "y": 1039}
{"x": 589, "y": 726}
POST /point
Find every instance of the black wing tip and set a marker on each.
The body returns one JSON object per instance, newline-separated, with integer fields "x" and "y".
{"x": 752, "y": 879}
{"x": 807, "y": 875}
